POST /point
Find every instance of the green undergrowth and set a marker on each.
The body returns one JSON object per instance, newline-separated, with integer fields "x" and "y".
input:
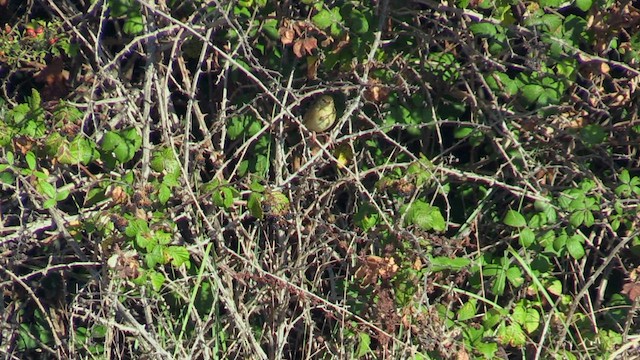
{"x": 477, "y": 198}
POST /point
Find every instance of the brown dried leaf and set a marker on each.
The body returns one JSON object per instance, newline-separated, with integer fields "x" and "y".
{"x": 310, "y": 44}
{"x": 375, "y": 266}
{"x": 632, "y": 290}
{"x": 376, "y": 93}
{"x": 341, "y": 44}
{"x": 298, "y": 49}
{"x": 23, "y": 144}
{"x": 313, "y": 62}
{"x": 286, "y": 36}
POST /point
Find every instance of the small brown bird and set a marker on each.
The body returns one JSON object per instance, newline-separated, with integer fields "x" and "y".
{"x": 321, "y": 115}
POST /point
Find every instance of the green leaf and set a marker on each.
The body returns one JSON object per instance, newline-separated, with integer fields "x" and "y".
{"x": 325, "y": 18}
{"x": 531, "y": 321}
{"x": 254, "y": 204}
{"x": 584, "y": 5}
{"x": 31, "y": 160}
{"x": 484, "y": 29}
{"x": 80, "y": 151}
{"x": 146, "y": 242}
{"x": 492, "y": 318}
{"x": 163, "y": 160}
{"x": 593, "y": 134}
{"x": 136, "y": 227}
{"x": 7, "y": 178}
{"x": 119, "y": 7}
{"x": 441, "y": 263}
{"x": 531, "y": 93}
{"x": 527, "y": 237}
{"x": 62, "y": 194}
{"x": 502, "y": 83}
{"x": 444, "y": 65}
{"x": 499, "y": 282}
{"x": 10, "y": 158}
{"x": 164, "y": 193}
{"x": 512, "y": 335}
{"x": 577, "y": 218}
{"x": 177, "y": 254}
{"x": 575, "y": 246}
{"x": 468, "y": 310}
{"x": 487, "y": 349}
{"x": 223, "y": 197}
{"x": 134, "y": 24}
{"x": 462, "y": 132}
{"x": 34, "y": 100}
{"x": 270, "y": 28}
{"x": 624, "y": 176}
{"x": 157, "y": 279}
{"x": 550, "y": 3}
{"x": 526, "y": 316}
{"x": 364, "y": 345}
{"x": 122, "y": 145}
{"x": 425, "y": 216}
{"x": 555, "y": 287}
{"x": 49, "y": 203}
{"x": 155, "y": 257}
{"x": 366, "y": 217}
{"x": 162, "y": 238}
{"x": 514, "y": 219}
{"x": 358, "y": 22}
{"x": 132, "y": 137}
{"x": 514, "y": 275}
{"x": 47, "y": 189}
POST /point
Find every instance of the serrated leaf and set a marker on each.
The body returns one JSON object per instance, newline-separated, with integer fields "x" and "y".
{"x": 527, "y": 237}
{"x": 425, "y": 216}
{"x": 577, "y": 218}
{"x": 364, "y": 345}
{"x": 164, "y": 194}
{"x": 514, "y": 275}
{"x": 136, "y": 227}
{"x": 155, "y": 257}
{"x": 512, "y": 334}
{"x": 164, "y": 160}
{"x": 514, "y": 219}
{"x": 531, "y": 93}
{"x": 254, "y": 204}
{"x": 134, "y": 24}
{"x": 162, "y": 238}
{"x": 157, "y": 280}
{"x": 532, "y": 320}
{"x": 178, "y": 255}
{"x": 468, "y": 310}
{"x": 79, "y": 151}
{"x": 325, "y": 18}
{"x": 575, "y": 247}
{"x": 358, "y": 22}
